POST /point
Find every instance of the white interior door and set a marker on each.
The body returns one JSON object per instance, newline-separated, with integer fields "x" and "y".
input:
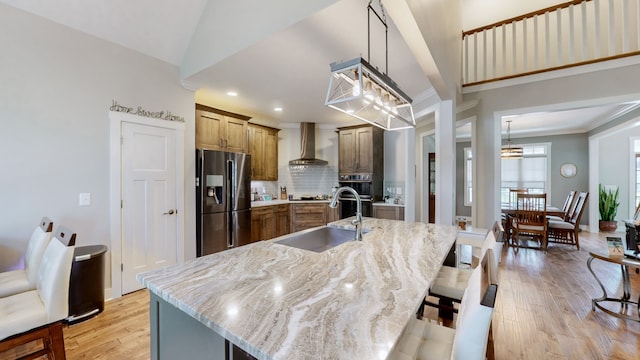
{"x": 149, "y": 211}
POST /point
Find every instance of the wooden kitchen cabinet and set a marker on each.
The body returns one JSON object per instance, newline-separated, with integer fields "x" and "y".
{"x": 308, "y": 215}
{"x": 283, "y": 219}
{"x": 263, "y": 148}
{"x": 361, "y": 149}
{"x": 333, "y": 214}
{"x": 263, "y": 225}
{"x": 221, "y": 130}
{"x": 388, "y": 212}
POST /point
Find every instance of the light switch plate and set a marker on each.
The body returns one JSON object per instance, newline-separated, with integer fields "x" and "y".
{"x": 84, "y": 199}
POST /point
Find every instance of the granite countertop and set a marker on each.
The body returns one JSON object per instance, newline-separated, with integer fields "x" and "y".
{"x": 279, "y": 302}
{"x": 255, "y": 204}
{"x": 382, "y": 203}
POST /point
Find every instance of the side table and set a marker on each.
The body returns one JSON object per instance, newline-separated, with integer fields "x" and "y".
{"x": 625, "y": 301}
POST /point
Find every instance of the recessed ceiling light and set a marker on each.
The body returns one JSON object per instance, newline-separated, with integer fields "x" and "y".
{"x": 232, "y": 93}
{"x": 277, "y": 109}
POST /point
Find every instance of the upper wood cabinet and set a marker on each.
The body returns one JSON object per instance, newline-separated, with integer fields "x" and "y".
{"x": 263, "y": 147}
{"x": 220, "y": 130}
{"x": 360, "y": 149}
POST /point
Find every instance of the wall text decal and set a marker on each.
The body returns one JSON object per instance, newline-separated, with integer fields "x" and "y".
{"x": 164, "y": 115}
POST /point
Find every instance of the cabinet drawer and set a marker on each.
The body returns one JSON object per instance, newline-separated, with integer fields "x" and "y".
{"x": 282, "y": 208}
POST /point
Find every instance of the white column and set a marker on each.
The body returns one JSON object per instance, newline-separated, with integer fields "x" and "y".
{"x": 410, "y": 176}
{"x": 445, "y": 163}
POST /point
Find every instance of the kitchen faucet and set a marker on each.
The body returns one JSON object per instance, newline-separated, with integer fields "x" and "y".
{"x": 358, "y": 220}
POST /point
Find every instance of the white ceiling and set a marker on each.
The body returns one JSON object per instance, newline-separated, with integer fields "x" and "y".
{"x": 289, "y": 69}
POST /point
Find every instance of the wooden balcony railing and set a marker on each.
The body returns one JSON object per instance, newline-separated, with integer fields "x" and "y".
{"x": 569, "y": 34}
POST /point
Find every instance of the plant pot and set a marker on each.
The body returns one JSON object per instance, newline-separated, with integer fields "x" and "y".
{"x": 608, "y": 226}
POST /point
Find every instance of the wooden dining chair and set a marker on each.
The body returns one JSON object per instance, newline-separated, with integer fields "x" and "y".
{"x": 567, "y": 208}
{"x": 530, "y": 219}
{"x": 566, "y": 232}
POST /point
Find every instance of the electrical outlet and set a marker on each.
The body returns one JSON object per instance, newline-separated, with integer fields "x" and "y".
{"x": 84, "y": 199}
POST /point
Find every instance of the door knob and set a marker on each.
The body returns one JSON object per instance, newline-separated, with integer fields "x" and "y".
{"x": 170, "y": 212}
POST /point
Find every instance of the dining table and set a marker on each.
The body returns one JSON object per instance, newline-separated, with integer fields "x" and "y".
{"x": 509, "y": 210}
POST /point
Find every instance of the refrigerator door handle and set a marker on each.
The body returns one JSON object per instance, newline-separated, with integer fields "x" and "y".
{"x": 231, "y": 179}
{"x": 230, "y": 232}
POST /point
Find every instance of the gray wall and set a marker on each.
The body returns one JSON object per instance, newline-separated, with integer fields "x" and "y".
{"x": 57, "y": 87}
{"x": 595, "y": 87}
{"x": 615, "y": 168}
{"x": 573, "y": 148}
{"x": 565, "y": 149}
{"x": 461, "y": 209}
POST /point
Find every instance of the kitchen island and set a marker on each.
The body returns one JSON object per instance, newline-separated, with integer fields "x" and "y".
{"x": 279, "y": 302}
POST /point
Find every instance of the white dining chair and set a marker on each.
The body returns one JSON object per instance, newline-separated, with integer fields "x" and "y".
{"x": 38, "y": 314}
{"x": 21, "y": 280}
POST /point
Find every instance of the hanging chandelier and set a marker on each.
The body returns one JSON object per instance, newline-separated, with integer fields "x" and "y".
{"x": 510, "y": 151}
{"x": 358, "y": 89}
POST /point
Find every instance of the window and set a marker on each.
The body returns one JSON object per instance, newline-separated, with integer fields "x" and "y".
{"x": 636, "y": 150}
{"x": 531, "y": 172}
{"x": 468, "y": 179}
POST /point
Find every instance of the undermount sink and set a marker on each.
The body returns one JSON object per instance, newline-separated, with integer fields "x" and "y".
{"x": 320, "y": 239}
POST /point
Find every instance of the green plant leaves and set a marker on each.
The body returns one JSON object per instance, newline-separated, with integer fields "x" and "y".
{"x": 608, "y": 203}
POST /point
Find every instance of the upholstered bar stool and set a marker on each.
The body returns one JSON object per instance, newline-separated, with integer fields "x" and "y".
{"x": 17, "y": 281}
{"x": 472, "y": 337}
{"x": 451, "y": 282}
{"x": 38, "y": 314}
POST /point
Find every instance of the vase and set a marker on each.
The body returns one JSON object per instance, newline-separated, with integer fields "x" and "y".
{"x": 608, "y": 226}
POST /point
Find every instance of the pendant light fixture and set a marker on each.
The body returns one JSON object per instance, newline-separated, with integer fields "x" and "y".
{"x": 358, "y": 89}
{"x": 510, "y": 151}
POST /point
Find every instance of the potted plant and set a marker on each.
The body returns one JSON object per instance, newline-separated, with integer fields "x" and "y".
{"x": 608, "y": 206}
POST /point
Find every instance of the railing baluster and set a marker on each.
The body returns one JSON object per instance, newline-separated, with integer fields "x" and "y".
{"x": 466, "y": 58}
{"x": 559, "y": 38}
{"x": 547, "y": 40}
{"x": 572, "y": 38}
{"x": 513, "y": 46}
{"x": 494, "y": 58}
{"x": 484, "y": 54}
{"x": 475, "y": 56}
{"x": 638, "y": 24}
{"x": 504, "y": 50}
{"x": 625, "y": 26}
{"x": 597, "y": 49}
{"x": 612, "y": 48}
{"x": 536, "y": 52}
{"x": 524, "y": 46}
{"x": 584, "y": 27}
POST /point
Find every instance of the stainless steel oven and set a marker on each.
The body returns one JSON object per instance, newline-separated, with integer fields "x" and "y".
{"x": 348, "y": 206}
{"x": 362, "y": 184}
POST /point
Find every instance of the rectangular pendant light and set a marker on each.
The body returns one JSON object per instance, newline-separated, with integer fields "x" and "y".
{"x": 358, "y": 89}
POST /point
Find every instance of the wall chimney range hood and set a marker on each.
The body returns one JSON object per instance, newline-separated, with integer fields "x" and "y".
{"x": 307, "y": 146}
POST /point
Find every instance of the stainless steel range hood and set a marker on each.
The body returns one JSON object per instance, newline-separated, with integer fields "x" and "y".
{"x": 308, "y": 146}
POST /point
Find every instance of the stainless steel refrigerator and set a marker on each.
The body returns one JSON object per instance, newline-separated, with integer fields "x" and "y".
{"x": 223, "y": 200}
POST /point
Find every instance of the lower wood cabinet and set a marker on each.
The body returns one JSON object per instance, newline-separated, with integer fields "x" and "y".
{"x": 268, "y": 222}
{"x": 388, "y": 212}
{"x": 283, "y": 220}
{"x": 305, "y": 216}
{"x": 262, "y": 223}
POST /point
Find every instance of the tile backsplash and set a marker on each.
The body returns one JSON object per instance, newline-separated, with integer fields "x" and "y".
{"x": 301, "y": 180}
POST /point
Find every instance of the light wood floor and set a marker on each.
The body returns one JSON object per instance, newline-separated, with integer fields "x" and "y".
{"x": 543, "y": 311}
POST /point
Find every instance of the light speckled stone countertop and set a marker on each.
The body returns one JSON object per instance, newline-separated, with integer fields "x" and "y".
{"x": 257, "y": 204}
{"x": 280, "y": 302}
